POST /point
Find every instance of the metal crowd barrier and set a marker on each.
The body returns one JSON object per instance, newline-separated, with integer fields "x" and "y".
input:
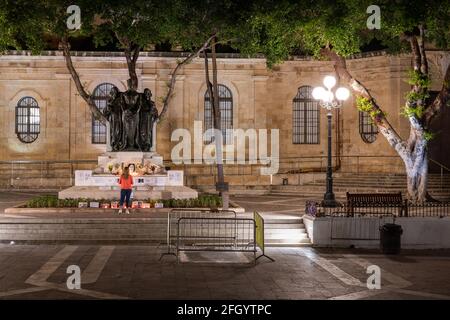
{"x": 216, "y": 234}
{"x": 175, "y": 214}
{"x": 213, "y": 230}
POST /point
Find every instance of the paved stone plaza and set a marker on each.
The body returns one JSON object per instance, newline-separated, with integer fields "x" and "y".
{"x": 135, "y": 272}
{"x": 116, "y": 272}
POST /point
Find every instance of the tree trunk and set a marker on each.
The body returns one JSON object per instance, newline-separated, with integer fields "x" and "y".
{"x": 417, "y": 178}
{"x": 414, "y": 151}
{"x": 173, "y": 78}
{"x": 64, "y": 44}
{"x": 131, "y": 55}
{"x": 213, "y": 91}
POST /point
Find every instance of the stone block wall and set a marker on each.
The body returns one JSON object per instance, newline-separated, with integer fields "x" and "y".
{"x": 262, "y": 99}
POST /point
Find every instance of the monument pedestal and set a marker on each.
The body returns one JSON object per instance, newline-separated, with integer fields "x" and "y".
{"x": 151, "y": 180}
{"x": 125, "y": 158}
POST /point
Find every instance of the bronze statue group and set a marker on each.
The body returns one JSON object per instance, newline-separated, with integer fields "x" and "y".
{"x": 131, "y": 117}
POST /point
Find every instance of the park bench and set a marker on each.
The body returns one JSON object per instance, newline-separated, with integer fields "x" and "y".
{"x": 375, "y": 203}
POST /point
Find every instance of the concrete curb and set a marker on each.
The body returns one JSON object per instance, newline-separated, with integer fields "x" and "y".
{"x": 20, "y": 210}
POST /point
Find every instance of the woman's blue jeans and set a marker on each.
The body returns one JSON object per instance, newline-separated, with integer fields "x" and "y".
{"x": 125, "y": 194}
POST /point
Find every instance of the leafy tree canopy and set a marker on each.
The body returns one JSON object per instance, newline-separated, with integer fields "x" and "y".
{"x": 276, "y": 29}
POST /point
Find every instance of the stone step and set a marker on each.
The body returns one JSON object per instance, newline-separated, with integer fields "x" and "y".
{"x": 83, "y": 237}
{"x": 373, "y": 185}
{"x": 270, "y": 226}
{"x": 369, "y": 182}
{"x": 288, "y": 244}
{"x": 274, "y": 242}
{"x": 125, "y": 231}
{"x": 286, "y": 234}
{"x": 268, "y": 222}
{"x": 30, "y": 230}
{"x": 380, "y": 189}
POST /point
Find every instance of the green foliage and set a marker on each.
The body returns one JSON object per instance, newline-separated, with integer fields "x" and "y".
{"x": 446, "y": 84}
{"x": 416, "y": 98}
{"x": 306, "y": 27}
{"x": 413, "y": 96}
{"x": 417, "y": 78}
{"x": 365, "y": 105}
{"x": 203, "y": 201}
{"x": 276, "y": 29}
{"x": 52, "y": 201}
{"x": 428, "y": 135}
{"x": 413, "y": 111}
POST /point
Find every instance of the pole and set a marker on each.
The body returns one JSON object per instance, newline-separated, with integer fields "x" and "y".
{"x": 328, "y": 198}
{"x": 221, "y": 186}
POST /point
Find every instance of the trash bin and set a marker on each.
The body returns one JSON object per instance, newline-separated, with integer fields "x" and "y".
{"x": 390, "y": 235}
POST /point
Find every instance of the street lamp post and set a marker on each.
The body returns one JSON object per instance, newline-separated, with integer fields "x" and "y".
{"x": 330, "y": 101}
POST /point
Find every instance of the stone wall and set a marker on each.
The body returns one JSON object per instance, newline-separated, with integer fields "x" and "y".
{"x": 262, "y": 99}
{"x": 418, "y": 233}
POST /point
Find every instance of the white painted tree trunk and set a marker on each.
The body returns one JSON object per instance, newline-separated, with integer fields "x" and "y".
{"x": 417, "y": 178}
{"x": 415, "y": 159}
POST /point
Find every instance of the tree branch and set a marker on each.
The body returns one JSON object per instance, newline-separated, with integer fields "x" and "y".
{"x": 64, "y": 44}
{"x": 417, "y": 61}
{"x": 132, "y": 54}
{"x": 173, "y": 79}
{"x": 222, "y": 42}
{"x": 423, "y": 56}
{"x": 209, "y": 86}
{"x": 418, "y": 92}
{"x": 380, "y": 120}
{"x": 442, "y": 100}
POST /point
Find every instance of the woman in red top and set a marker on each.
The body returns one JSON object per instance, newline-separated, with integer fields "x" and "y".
{"x": 126, "y": 185}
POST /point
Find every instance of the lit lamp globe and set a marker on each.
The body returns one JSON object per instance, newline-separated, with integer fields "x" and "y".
{"x": 319, "y": 93}
{"x": 342, "y": 94}
{"x": 329, "y": 96}
{"x": 329, "y": 82}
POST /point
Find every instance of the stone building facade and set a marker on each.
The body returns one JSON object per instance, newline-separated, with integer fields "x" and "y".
{"x": 258, "y": 98}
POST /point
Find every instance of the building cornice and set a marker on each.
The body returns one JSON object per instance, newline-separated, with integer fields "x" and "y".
{"x": 164, "y": 55}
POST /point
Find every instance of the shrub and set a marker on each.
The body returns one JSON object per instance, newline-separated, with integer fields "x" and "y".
{"x": 52, "y": 201}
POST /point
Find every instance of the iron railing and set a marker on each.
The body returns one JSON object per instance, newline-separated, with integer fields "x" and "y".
{"x": 442, "y": 169}
{"x": 290, "y": 165}
{"x": 14, "y": 170}
{"x": 406, "y": 209}
{"x": 35, "y": 172}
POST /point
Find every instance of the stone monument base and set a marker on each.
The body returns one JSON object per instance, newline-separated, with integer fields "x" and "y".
{"x": 151, "y": 180}
{"x": 125, "y": 158}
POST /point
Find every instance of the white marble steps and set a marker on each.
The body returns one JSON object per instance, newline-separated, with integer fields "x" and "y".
{"x": 285, "y": 232}
{"x": 278, "y": 232}
{"x": 364, "y": 183}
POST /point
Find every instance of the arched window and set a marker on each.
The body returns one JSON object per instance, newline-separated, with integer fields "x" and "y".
{"x": 226, "y": 114}
{"x": 305, "y": 118}
{"x": 100, "y": 97}
{"x": 367, "y": 129}
{"x": 28, "y": 120}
